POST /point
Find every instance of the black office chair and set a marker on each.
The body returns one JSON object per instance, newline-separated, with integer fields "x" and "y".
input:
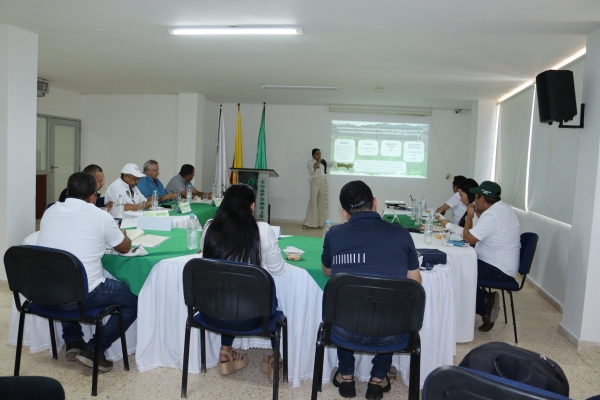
{"x": 232, "y": 291}
{"x": 528, "y": 245}
{"x": 49, "y": 277}
{"x": 30, "y": 388}
{"x": 375, "y": 307}
{"x": 458, "y": 383}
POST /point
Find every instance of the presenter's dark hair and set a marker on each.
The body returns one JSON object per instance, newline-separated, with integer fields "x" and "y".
{"x": 186, "y": 169}
{"x": 464, "y": 187}
{"x": 92, "y": 169}
{"x": 233, "y": 233}
{"x": 322, "y": 160}
{"x": 81, "y": 185}
{"x": 458, "y": 179}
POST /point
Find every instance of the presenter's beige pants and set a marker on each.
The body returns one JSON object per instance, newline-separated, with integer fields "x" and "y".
{"x": 316, "y": 213}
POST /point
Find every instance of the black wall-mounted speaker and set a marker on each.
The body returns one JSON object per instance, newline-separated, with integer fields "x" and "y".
{"x": 556, "y": 96}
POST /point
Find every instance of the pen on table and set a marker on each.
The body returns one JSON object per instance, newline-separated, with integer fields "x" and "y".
{"x": 135, "y": 248}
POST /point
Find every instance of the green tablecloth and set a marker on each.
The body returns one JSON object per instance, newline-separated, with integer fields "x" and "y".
{"x": 204, "y": 212}
{"x": 311, "y": 259}
{"x": 134, "y": 270}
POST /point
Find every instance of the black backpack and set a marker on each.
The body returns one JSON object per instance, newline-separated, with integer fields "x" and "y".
{"x": 521, "y": 365}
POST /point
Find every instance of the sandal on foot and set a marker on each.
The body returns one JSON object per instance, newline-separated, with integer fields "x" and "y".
{"x": 375, "y": 390}
{"x": 233, "y": 364}
{"x": 347, "y": 387}
{"x": 267, "y": 366}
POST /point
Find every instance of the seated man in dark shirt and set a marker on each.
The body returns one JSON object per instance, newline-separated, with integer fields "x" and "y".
{"x": 366, "y": 245}
{"x": 97, "y": 173}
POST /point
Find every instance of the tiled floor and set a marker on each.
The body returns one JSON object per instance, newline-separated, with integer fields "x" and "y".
{"x": 537, "y": 322}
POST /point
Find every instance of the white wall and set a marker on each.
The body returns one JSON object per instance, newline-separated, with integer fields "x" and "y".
{"x": 549, "y": 268}
{"x": 18, "y": 91}
{"x": 582, "y": 297}
{"x": 60, "y": 103}
{"x": 292, "y": 131}
{"x": 484, "y": 146}
{"x": 119, "y": 129}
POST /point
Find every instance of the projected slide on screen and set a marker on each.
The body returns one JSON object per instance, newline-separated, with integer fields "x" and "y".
{"x": 379, "y": 149}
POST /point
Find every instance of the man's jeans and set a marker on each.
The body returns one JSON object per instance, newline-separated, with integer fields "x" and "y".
{"x": 109, "y": 292}
{"x": 381, "y": 362}
{"x": 487, "y": 271}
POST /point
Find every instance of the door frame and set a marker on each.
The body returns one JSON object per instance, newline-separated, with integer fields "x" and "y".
{"x": 52, "y": 121}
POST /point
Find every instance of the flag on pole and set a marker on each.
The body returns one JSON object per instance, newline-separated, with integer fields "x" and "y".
{"x": 222, "y": 171}
{"x": 261, "y": 148}
{"x": 238, "y": 155}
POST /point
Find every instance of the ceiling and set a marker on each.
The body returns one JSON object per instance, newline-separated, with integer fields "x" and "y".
{"x": 436, "y": 53}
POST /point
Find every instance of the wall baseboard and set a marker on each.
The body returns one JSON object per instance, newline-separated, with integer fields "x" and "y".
{"x": 584, "y": 345}
{"x": 547, "y": 296}
{"x": 571, "y": 337}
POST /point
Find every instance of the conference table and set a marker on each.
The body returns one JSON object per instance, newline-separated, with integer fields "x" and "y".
{"x": 157, "y": 337}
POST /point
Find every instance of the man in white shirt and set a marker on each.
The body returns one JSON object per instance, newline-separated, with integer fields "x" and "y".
{"x": 458, "y": 208}
{"x": 81, "y": 228}
{"x": 126, "y": 186}
{"x": 497, "y": 240}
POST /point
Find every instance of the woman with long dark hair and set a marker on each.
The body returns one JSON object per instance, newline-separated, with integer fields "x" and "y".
{"x": 466, "y": 198}
{"x": 316, "y": 212}
{"x": 233, "y": 234}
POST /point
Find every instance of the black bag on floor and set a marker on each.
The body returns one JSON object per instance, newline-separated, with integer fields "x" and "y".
{"x": 521, "y": 365}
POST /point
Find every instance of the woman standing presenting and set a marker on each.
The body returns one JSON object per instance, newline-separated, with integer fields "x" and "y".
{"x": 316, "y": 212}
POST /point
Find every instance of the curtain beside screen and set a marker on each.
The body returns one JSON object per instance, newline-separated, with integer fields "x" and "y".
{"x": 514, "y": 123}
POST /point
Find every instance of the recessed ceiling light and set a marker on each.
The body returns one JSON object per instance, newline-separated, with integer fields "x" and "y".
{"x": 299, "y": 87}
{"x": 236, "y": 30}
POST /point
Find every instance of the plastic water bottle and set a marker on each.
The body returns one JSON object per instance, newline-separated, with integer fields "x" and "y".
{"x": 326, "y": 228}
{"x": 428, "y": 237}
{"x": 192, "y": 232}
{"x": 188, "y": 193}
{"x": 413, "y": 212}
{"x": 154, "y": 201}
{"x": 120, "y": 207}
{"x": 424, "y": 203}
{"x": 419, "y": 214}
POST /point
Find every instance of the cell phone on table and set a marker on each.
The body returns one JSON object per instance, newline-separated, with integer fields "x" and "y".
{"x": 118, "y": 221}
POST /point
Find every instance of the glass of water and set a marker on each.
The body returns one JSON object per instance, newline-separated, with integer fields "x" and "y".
{"x": 445, "y": 235}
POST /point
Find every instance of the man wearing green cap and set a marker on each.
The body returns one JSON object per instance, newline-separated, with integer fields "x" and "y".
{"x": 497, "y": 240}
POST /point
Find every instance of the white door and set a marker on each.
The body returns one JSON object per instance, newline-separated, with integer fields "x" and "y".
{"x": 64, "y": 153}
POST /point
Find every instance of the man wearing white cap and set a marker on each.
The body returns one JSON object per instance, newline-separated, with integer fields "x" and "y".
{"x": 126, "y": 186}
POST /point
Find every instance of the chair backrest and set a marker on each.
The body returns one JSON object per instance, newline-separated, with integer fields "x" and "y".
{"x": 529, "y": 242}
{"x": 370, "y": 306}
{"x": 46, "y": 276}
{"x": 449, "y": 382}
{"x": 228, "y": 290}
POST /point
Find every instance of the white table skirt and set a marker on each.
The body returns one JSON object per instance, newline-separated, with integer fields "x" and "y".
{"x": 463, "y": 264}
{"x": 159, "y": 338}
{"x": 161, "y": 330}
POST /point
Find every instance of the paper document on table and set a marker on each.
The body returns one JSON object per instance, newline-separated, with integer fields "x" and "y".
{"x": 134, "y": 233}
{"x": 149, "y": 240}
